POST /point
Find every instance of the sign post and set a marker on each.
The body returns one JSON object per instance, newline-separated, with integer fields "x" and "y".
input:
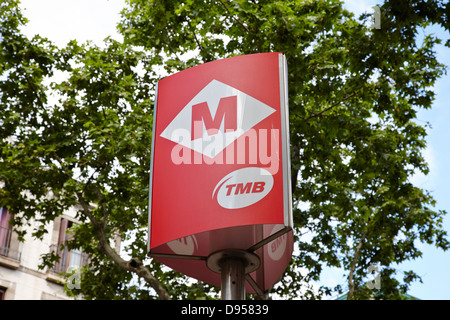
{"x": 220, "y": 197}
{"x": 233, "y": 266}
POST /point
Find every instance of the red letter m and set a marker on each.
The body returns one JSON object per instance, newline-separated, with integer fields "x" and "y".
{"x": 226, "y": 112}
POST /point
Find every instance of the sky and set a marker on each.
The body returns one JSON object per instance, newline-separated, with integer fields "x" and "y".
{"x": 94, "y": 20}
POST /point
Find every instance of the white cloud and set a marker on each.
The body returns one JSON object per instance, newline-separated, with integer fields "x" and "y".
{"x": 360, "y": 6}
{"x": 49, "y": 19}
{"x": 421, "y": 180}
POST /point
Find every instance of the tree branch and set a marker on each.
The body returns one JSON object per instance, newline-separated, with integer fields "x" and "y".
{"x": 313, "y": 114}
{"x": 200, "y": 46}
{"x": 35, "y": 91}
{"x": 351, "y": 284}
{"x": 233, "y": 17}
{"x": 137, "y": 268}
{"x": 104, "y": 247}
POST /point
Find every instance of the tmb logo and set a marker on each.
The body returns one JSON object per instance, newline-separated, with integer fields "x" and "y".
{"x": 243, "y": 187}
{"x": 217, "y": 116}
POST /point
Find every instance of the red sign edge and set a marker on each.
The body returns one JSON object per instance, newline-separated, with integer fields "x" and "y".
{"x": 152, "y": 153}
{"x": 285, "y": 141}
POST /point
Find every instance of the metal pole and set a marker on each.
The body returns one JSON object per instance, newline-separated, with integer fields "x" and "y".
{"x": 233, "y": 265}
{"x": 233, "y": 279}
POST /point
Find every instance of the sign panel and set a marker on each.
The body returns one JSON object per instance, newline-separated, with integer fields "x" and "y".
{"x": 220, "y": 172}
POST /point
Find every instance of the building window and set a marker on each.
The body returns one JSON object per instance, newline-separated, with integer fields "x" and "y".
{"x": 67, "y": 258}
{"x": 6, "y": 234}
{"x": 9, "y": 242}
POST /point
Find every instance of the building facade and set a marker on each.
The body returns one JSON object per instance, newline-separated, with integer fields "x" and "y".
{"x": 20, "y": 277}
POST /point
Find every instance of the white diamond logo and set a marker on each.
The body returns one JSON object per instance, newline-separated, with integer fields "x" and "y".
{"x": 215, "y": 118}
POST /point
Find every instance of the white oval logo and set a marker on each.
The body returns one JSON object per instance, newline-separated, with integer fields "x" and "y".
{"x": 277, "y": 247}
{"x": 186, "y": 245}
{"x": 243, "y": 187}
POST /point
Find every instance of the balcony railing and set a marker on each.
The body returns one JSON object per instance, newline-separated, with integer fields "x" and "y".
{"x": 6, "y": 248}
{"x": 68, "y": 258}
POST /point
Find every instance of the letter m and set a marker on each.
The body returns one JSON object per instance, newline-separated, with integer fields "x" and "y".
{"x": 240, "y": 188}
{"x": 226, "y": 113}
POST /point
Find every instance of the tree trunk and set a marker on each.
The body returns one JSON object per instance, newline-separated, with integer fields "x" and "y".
{"x": 351, "y": 284}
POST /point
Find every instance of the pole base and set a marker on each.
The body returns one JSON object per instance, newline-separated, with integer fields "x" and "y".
{"x": 233, "y": 265}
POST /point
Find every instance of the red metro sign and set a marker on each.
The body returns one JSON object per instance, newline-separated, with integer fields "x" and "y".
{"x": 220, "y": 172}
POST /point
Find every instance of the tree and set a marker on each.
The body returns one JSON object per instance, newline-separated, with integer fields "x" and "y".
{"x": 89, "y": 146}
{"x": 353, "y": 94}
